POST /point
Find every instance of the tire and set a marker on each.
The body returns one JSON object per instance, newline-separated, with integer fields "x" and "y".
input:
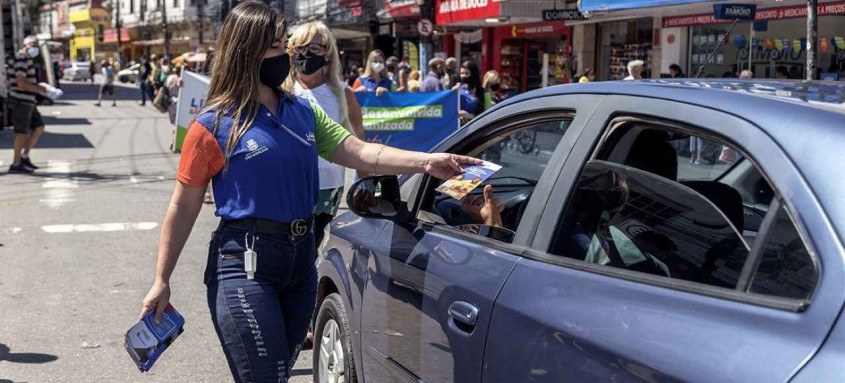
{"x": 332, "y": 319}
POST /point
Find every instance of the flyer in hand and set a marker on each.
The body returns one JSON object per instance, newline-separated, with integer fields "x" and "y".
{"x": 147, "y": 340}
{"x": 459, "y": 186}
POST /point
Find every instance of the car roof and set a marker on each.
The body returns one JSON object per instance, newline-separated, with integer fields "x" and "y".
{"x": 805, "y": 118}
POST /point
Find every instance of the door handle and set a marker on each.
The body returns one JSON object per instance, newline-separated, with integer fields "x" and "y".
{"x": 464, "y": 313}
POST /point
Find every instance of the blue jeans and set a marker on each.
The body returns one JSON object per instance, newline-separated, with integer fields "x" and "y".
{"x": 146, "y": 91}
{"x": 261, "y": 322}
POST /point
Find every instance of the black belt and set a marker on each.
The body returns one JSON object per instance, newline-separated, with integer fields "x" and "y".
{"x": 296, "y": 228}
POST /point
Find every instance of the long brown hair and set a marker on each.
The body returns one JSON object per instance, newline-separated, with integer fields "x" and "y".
{"x": 332, "y": 71}
{"x": 248, "y": 31}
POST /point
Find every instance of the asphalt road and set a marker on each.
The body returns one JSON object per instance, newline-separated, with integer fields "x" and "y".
{"x": 78, "y": 242}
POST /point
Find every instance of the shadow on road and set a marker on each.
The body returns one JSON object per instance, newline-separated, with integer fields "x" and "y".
{"x": 300, "y": 372}
{"x": 77, "y": 91}
{"x": 24, "y": 357}
{"x": 65, "y": 121}
{"x": 49, "y": 140}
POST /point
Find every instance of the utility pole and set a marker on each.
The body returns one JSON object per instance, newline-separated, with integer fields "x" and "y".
{"x": 118, "y": 25}
{"x": 812, "y": 37}
{"x": 200, "y": 17}
{"x": 166, "y": 30}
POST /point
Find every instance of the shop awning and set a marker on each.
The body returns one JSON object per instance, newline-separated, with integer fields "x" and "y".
{"x": 619, "y": 5}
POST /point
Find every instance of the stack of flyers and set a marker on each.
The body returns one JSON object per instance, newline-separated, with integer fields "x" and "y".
{"x": 146, "y": 340}
{"x": 462, "y": 184}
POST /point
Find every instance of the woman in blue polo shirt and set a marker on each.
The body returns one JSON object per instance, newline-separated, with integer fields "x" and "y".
{"x": 258, "y": 145}
{"x": 376, "y": 78}
{"x": 470, "y": 91}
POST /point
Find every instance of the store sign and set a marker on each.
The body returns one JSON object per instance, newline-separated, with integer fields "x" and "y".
{"x": 110, "y": 35}
{"x": 554, "y": 28}
{"x": 562, "y": 14}
{"x": 455, "y": 11}
{"x": 799, "y": 11}
{"x": 425, "y": 27}
{"x": 398, "y": 9}
{"x": 734, "y": 11}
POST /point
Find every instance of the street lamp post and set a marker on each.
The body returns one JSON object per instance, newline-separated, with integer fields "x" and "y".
{"x": 165, "y": 29}
{"x": 118, "y": 25}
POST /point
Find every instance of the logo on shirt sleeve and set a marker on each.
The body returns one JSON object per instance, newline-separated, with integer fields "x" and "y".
{"x": 254, "y": 149}
{"x": 310, "y": 137}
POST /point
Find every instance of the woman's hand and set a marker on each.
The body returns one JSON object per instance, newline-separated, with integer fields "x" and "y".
{"x": 157, "y": 299}
{"x": 457, "y": 86}
{"x": 446, "y": 165}
{"x": 361, "y": 89}
{"x": 381, "y": 90}
{"x": 485, "y": 210}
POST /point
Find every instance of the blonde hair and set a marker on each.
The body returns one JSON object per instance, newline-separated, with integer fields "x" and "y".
{"x": 368, "y": 70}
{"x": 248, "y": 31}
{"x": 303, "y": 35}
{"x": 490, "y": 77}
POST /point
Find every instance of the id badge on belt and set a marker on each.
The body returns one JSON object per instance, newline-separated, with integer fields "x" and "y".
{"x": 250, "y": 257}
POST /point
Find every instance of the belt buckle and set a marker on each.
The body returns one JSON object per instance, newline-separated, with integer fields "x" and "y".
{"x": 298, "y": 227}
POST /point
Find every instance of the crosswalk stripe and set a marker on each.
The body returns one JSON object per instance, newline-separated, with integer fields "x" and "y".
{"x": 58, "y": 188}
{"x": 99, "y": 227}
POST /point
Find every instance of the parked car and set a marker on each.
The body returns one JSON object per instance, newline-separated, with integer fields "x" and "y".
{"x": 129, "y": 74}
{"x": 628, "y": 261}
{"x": 77, "y": 71}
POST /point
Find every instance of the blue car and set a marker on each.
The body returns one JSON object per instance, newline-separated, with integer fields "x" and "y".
{"x": 656, "y": 231}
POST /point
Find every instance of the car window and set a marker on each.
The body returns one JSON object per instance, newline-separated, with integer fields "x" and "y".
{"x": 786, "y": 269}
{"x": 523, "y": 152}
{"x": 642, "y": 205}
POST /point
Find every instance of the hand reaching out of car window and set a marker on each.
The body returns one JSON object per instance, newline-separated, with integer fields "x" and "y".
{"x": 484, "y": 210}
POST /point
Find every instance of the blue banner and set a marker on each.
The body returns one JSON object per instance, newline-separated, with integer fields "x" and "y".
{"x": 618, "y": 5}
{"x": 412, "y": 121}
{"x": 734, "y": 11}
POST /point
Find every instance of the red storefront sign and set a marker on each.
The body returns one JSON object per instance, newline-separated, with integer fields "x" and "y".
{"x": 825, "y": 9}
{"x": 454, "y": 11}
{"x": 527, "y": 31}
{"x": 402, "y": 8}
{"x": 109, "y": 35}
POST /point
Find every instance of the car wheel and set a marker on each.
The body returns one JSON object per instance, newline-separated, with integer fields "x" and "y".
{"x": 333, "y": 361}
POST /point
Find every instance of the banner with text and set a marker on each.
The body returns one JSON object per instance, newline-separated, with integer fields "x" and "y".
{"x": 191, "y": 101}
{"x": 412, "y": 121}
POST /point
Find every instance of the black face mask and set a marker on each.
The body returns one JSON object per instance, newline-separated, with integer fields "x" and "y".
{"x": 495, "y": 87}
{"x": 274, "y": 70}
{"x": 309, "y": 63}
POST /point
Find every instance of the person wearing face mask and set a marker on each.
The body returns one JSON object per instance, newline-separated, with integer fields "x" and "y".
{"x": 436, "y": 70}
{"x": 23, "y": 91}
{"x": 492, "y": 84}
{"x": 258, "y": 145}
{"x": 470, "y": 91}
{"x": 375, "y": 77}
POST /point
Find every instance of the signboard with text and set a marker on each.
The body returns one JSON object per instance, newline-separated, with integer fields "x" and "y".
{"x": 412, "y": 121}
{"x": 455, "y": 11}
{"x": 532, "y": 30}
{"x": 799, "y": 11}
{"x": 562, "y": 14}
{"x": 190, "y": 103}
{"x": 734, "y": 11}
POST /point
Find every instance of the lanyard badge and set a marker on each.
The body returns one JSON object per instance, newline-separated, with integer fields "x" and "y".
{"x": 250, "y": 257}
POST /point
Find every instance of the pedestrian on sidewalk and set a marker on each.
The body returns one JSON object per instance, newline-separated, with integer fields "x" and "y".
{"x": 376, "y": 77}
{"x": 23, "y": 89}
{"x": 470, "y": 91}
{"x": 108, "y": 82}
{"x": 436, "y": 72}
{"x": 144, "y": 81}
{"x": 635, "y": 70}
{"x": 259, "y": 144}
{"x": 92, "y": 69}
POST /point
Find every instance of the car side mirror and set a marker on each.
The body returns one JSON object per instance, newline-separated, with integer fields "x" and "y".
{"x": 376, "y": 197}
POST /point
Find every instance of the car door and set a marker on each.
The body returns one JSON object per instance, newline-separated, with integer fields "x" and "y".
{"x": 694, "y": 305}
{"x": 430, "y": 286}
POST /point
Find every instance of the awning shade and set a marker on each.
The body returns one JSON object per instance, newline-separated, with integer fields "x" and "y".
{"x": 618, "y": 5}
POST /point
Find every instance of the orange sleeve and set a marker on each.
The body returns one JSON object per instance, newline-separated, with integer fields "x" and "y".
{"x": 201, "y": 157}
{"x": 356, "y": 84}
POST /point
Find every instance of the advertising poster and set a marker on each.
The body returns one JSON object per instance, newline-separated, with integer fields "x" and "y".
{"x": 412, "y": 121}
{"x": 191, "y": 101}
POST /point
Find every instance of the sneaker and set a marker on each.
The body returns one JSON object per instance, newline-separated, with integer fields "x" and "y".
{"x": 26, "y": 162}
{"x": 96, "y": 104}
{"x": 20, "y": 169}
{"x": 114, "y": 104}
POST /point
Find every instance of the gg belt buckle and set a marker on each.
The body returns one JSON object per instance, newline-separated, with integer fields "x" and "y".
{"x": 298, "y": 227}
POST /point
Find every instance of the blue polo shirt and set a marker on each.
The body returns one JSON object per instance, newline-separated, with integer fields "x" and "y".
{"x": 372, "y": 85}
{"x": 272, "y": 171}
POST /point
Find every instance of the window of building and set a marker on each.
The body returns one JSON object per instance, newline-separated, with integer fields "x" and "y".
{"x": 175, "y": 3}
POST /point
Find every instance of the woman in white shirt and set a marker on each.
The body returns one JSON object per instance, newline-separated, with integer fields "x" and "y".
{"x": 316, "y": 76}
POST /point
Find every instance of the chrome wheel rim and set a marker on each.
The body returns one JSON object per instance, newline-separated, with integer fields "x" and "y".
{"x": 332, "y": 360}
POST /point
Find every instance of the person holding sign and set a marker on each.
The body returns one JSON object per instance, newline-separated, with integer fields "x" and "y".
{"x": 375, "y": 77}
{"x": 259, "y": 144}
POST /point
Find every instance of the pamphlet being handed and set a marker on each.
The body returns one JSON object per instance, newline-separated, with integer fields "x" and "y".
{"x": 459, "y": 186}
{"x": 146, "y": 340}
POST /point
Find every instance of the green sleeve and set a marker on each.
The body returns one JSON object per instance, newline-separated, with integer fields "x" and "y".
{"x": 328, "y": 133}
{"x": 488, "y": 100}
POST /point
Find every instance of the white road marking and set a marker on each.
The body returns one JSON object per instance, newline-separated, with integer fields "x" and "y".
{"x": 13, "y": 230}
{"x": 99, "y": 227}
{"x": 58, "y": 188}
{"x": 133, "y": 179}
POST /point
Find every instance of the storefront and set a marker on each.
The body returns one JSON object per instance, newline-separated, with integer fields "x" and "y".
{"x": 111, "y": 48}
{"x": 89, "y": 25}
{"x": 509, "y": 37}
{"x": 622, "y": 42}
{"x": 774, "y": 42}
